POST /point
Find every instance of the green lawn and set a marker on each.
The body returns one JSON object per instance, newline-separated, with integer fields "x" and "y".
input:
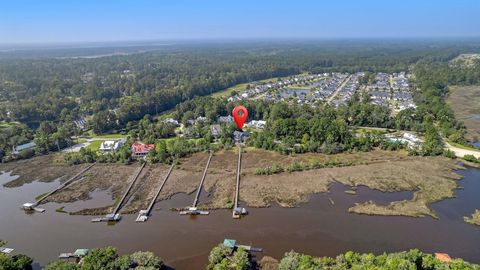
{"x": 94, "y": 145}
{"x": 227, "y": 92}
{"x": 79, "y": 140}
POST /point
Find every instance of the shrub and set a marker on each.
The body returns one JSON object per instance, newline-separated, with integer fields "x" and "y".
{"x": 471, "y": 158}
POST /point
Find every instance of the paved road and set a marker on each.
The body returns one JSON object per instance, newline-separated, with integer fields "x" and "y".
{"x": 76, "y": 147}
{"x": 460, "y": 152}
{"x": 338, "y": 89}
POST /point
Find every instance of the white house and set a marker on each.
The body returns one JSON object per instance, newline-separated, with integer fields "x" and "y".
{"x": 171, "y": 121}
{"x": 412, "y": 139}
{"x": 108, "y": 146}
{"x": 19, "y": 148}
{"x": 259, "y": 124}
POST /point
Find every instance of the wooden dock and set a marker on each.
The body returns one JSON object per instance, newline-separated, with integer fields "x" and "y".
{"x": 32, "y": 206}
{"x": 144, "y": 214}
{"x": 193, "y": 209}
{"x": 238, "y": 211}
{"x": 115, "y": 216}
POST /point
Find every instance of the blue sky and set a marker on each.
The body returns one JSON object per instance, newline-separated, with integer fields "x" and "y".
{"x": 50, "y": 21}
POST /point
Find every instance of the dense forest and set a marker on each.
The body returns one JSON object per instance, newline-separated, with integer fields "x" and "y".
{"x": 44, "y": 89}
{"x": 46, "y": 94}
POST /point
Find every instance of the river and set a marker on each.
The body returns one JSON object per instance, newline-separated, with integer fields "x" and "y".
{"x": 317, "y": 228}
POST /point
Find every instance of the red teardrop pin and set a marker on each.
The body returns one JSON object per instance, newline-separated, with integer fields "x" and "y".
{"x": 240, "y": 115}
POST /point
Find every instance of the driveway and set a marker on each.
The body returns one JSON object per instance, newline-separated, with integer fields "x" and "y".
{"x": 460, "y": 152}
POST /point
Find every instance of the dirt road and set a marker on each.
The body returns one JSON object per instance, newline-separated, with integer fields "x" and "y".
{"x": 460, "y": 152}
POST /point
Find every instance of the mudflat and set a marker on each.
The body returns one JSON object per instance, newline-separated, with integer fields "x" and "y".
{"x": 430, "y": 178}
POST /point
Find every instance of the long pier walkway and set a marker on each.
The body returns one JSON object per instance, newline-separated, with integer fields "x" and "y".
{"x": 32, "y": 206}
{"x": 200, "y": 186}
{"x": 115, "y": 216}
{"x": 193, "y": 210}
{"x": 144, "y": 214}
{"x": 238, "y": 211}
{"x": 119, "y": 205}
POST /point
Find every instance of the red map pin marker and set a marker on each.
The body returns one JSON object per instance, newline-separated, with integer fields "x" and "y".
{"x": 240, "y": 114}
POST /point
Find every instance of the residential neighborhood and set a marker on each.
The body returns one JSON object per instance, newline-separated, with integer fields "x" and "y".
{"x": 391, "y": 90}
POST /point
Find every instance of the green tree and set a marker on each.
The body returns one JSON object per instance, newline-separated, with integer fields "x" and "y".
{"x": 146, "y": 259}
{"x": 62, "y": 265}
{"x": 100, "y": 259}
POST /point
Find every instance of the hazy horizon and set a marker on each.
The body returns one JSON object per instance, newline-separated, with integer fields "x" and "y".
{"x": 56, "y": 22}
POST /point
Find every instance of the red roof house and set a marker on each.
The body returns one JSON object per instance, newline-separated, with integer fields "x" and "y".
{"x": 443, "y": 257}
{"x": 141, "y": 149}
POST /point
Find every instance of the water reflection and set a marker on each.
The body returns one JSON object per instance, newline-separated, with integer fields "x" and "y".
{"x": 318, "y": 227}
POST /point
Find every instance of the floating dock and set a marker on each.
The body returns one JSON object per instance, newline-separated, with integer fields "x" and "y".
{"x": 115, "y": 216}
{"x": 5, "y": 250}
{"x": 237, "y": 210}
{"x": 144, "y": 214}
{"x": 33, "y": 206}
{"x": 193, "y": 209}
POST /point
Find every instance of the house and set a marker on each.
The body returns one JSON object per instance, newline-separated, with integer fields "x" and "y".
{"x": 216, "y": 130}
{"x": 201, "y": 119}
{"x": 412, "y": 139}
{"x": 259, "y": 124}
{"x": 239, "y": 136}
{"x": 141, "y": 149}
{"x": 230, "y": 243}
{"x": 444, "y": 257}
{"x": 108, "y": 146}
{"x": 75, "y": 257}
{"x": 19, "y": 148}
{"x": 171, "y": 121}
{"x": 225, "y": 119}
{"x": 81, "y": 124}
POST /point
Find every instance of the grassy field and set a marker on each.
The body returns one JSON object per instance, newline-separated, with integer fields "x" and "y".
{"x": 94, "y": 145}
{"x": 464, "y": 101}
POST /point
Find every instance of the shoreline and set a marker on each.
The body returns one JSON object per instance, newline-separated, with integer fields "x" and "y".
{"x": 431, "y": 179}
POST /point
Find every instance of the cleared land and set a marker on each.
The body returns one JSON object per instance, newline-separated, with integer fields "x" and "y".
{"x": 474, "y": 219}
{"x": 465, "y": 102}
{"x": 431, "y": 178}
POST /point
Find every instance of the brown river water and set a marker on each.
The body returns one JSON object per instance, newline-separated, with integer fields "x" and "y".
{"x": 317, "y": 228}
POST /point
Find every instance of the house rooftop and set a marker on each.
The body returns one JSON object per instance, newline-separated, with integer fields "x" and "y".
{"x": 81, "y": 252}
{"x": 229, "y": 243}
{"x": 444, "y": 257}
